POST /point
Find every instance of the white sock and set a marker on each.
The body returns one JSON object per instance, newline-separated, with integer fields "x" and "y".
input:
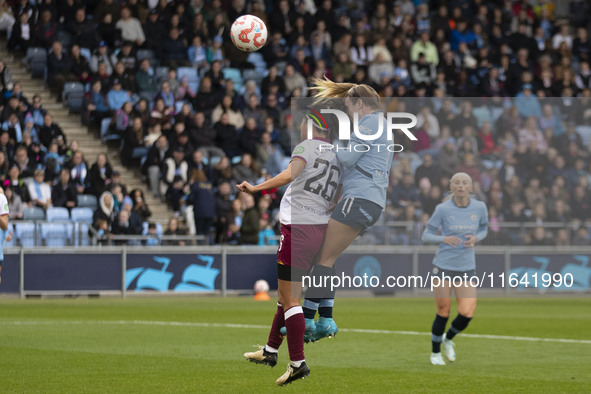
{"x": 270, "y": 349}
{"x": 297, "y": 364}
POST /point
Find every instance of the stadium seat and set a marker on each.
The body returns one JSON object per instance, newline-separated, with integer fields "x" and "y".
{"x": 87, "y": 201}
{"x": 105, "y": 134}
{"x": 189, "y": 72}
{"x": 81, "y": 237}
{"x": 57, "y": 213}
{"x": 257, "y": 59}
{"x": 73, "y": 95}
{"x": 145, "y": 54}
{"x": 65, "y": 38}
{"x": 82, "y": 218}
{"x": 234, "y": 75}
{"x": 585, "y": 133}
{"x": 86, "y": 53}
{"x": 56, "y": 234}
{"x": 37, "y": 59}
{"x": 26, "y": 234}
{"x": 161, "y": 73}
{"x": 33, "y": 213}
{"x": 254, "y": 75}
{"x": 83, "y": 214}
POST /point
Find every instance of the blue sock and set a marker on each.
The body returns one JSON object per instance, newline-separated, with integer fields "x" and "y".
{"x": 310, "y": 307}
{"x": 325, "y": 308}
{"x": 437, "y": 331}
{"x": 458, "y": 325}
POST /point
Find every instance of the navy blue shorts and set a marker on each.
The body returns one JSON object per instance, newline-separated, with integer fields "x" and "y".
{"x": 441, "y": 273}
{"x": 357, "y": 213}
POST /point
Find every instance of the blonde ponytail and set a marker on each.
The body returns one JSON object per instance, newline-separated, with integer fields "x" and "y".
{"x": 327, "y": 89}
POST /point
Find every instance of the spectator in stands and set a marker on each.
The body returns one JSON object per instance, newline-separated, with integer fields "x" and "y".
{"x": 63, "y": 193}
{"x": 131, "y": 29}
{"x": 96, "y": 105}
{"x": 101, "y": 55}
{"x": 200, "y": 133}
{"x": 227, "y": 107}
{"x": 122, "y": 225}
{"x": 167, "y": 96}
{"x": 4, "y": 167}
{"x": 59, "y": 69}
{"x": 173, "y": 50}
{"x": 140, "y": 206}
{"x": 580, "y": 203}
{"x": 117, "y": 182}
{"x": 80, "y": 65}
{"x": 121, "y": 74}
{"x": 39, "y": 191}
{"x": 146, "y": 81}
{"x": 201, "y": 197}
{"x": 14, "y": 129}
{"x": 538, "y": 237}
{"x": 21, "y": 35}
{"x": 133, "y": 142}
{"x": 161, "y": 114}
{"x": 50, "y": 132}
{"x": 99, "y": 175}
{"x": 45, "y": 30}
{"x": 293, "y": 79}
{"x": 15, "y": 204}
{"x": 24, "y": 165}
{"x": 154, "y": 164}
{"x": 78, "y": 171}
{"x": 175, "y": 177}
{"x": 249, "y": 230}
{"x": 174, "y": 229}
{"x": 154, "y": 31}
{"x": 581, "y": 237}
{"x": 83, "y": 31}
{"x": 117, "y": 97}
{"x": 405, "y": 193}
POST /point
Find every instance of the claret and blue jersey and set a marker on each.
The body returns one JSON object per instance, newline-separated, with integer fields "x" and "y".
{"x": 459, "y": 222}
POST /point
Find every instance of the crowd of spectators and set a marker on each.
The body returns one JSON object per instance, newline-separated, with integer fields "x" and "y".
{"x": 526, "y": 155}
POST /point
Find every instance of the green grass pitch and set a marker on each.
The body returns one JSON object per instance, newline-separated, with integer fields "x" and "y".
{"x": 173, "y": 345}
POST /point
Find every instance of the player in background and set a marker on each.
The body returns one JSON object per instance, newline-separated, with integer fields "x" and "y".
{"x": 314, "y": 174}
{"x": 365, "y": 179}
{"x": 463, "y": 222}
{"x": 3, "y": 227}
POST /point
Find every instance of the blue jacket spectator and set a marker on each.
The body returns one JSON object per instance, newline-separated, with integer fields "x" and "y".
{"x": 117, "y": 97}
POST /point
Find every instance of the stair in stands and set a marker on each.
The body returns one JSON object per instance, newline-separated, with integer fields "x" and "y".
{"x": 74, "y": 129}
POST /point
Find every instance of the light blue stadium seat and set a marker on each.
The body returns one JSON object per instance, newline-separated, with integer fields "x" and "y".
{"x": 235, "y": 75}
{"x": 189, "y": 72}
{"x": 585, "y": 133}
{"x": 81, "y": 214}
{"x": 87, "y": 201}
{"x": 25, "y": 234}
{"x": 33, "y": 213}
{"x": 86, "y": 53}
{"x": 57, "y": 213}
{"x": 56, "y": 234}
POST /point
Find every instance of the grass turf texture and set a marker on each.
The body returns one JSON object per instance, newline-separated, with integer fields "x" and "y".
{"x": 70, "y": 345}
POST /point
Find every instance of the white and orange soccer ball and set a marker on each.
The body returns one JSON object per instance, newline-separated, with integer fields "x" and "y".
{"x": 249, "y": 33}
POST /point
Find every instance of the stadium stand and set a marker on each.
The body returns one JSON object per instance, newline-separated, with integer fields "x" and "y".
{"x": 425, "y": 51}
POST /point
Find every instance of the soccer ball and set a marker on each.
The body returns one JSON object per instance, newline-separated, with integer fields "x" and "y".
{"x": 248, "y": 33}
{"x": 261, "y": 286}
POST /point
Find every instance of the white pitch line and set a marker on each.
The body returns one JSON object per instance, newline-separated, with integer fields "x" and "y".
{"x": 259, "y": 326}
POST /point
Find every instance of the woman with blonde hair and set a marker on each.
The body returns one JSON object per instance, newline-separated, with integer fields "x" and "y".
{"x": 463, "y": 222}
{"x": 364, "y": 184}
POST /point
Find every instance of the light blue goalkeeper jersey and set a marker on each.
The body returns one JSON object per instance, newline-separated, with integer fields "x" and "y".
{"x": 366, "y": 173}
{"x": 459, "y": 222}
